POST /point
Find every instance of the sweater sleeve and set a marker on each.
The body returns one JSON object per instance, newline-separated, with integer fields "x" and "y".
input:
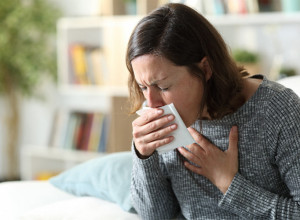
{"x": 248, "y": 200}
{"x": 151, "y": 191}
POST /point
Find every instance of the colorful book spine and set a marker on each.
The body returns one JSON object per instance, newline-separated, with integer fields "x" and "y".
{"x": 79, "y": 63}
{"x": 104, "y": 134}
{"x": 88, "y": 65}
{"x": 86, "y": 131}
{"x": 96, "y": 132}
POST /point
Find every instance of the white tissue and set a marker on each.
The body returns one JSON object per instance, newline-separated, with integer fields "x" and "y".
{"x": 181, "y": 135}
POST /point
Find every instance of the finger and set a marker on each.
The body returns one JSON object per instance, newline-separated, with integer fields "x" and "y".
{"x": 158, "y": 143}
{"x": 193, "y": 168}
{"x": 148, "y": 116}
{"x": 151, "y": 126}
{"x": 146, "y": 149}
{"x": 195, "y": 134}
{"x": 159, "y": 134}
{"x": 203, "y": 142}
{"x": 233, "y": 140}
{"x": 196, "y": 149}
{"x": 189, "y": 155}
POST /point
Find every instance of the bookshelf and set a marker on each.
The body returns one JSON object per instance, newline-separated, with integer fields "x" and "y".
{"x": 268, "y": 28}
{"x": 42, "y": 162}
{"x": 273, "y": 35}
{"x": 81, "y": 99}
{"x": 133, "y": 7}
{"x": 267, "y": 18}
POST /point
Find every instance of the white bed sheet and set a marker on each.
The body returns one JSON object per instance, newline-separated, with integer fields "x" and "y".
{"x": 39, "y": 200}
{"x": 292, "y": 82}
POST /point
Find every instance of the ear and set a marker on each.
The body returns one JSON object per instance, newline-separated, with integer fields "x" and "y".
{"x": 204, "y": 65}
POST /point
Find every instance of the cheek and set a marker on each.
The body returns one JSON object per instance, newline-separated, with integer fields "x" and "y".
{"x": 183, "y": 103}
{"x": 187, "y": 110}
{"x": 188, "y": 103}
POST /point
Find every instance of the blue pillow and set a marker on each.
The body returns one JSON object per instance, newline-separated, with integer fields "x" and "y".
{"x": 106, "y": 177}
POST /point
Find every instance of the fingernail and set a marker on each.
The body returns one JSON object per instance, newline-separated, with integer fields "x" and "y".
{"x": 170, "y": 117}
{"x": 159, "y": 111}
{"x": 234, "y": 128}
{"x": 173, "y": 126}
{"x": 171, "y": 138}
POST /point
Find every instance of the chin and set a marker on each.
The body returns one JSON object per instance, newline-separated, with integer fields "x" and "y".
{"x": 186, "y": 122}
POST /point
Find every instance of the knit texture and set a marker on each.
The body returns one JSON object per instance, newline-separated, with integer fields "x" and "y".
{"x": 267, "y": 185}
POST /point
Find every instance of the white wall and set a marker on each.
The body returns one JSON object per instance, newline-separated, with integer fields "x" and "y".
{"x": 78, "y": 7}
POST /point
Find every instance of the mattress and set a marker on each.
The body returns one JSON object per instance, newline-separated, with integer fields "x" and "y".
{"x": 39, "y": 200}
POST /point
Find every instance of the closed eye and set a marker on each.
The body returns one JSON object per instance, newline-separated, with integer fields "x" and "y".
{"x": 143, "y": 88}
{"x": 163, "y": 89}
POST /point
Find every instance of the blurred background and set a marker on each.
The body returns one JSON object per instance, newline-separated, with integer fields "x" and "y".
{"x": 63, "y": 95}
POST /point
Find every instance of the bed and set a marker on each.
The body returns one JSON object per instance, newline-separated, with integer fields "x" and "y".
{"x": 97, "y": 189}
{"x": 40, "y": 200}
{"x": 292, "y": 82}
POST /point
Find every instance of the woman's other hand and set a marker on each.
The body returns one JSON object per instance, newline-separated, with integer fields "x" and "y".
{"x": 218, "y": 166}
{"x": 150, "y": 131}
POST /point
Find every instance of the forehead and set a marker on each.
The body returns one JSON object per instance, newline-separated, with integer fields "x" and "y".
{"x": 149, "y": 68}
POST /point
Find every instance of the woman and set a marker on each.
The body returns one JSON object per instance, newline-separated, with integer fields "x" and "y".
{"x": 245, "y": 162}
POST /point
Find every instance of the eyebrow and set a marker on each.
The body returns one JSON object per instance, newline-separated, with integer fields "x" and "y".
{"x": 153, "y": 83}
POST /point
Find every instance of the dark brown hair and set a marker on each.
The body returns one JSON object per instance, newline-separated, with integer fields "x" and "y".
{"x": 185, "y": 37}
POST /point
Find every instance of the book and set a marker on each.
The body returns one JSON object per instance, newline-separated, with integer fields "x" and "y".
{"x": 77, "y": 52}
{"x": 99, "y": 67}
{"x": 213, "y": 7}
{"x": 95, "y": 132}
{"x": 237, "y": 7}
{"x": 104, "y": 134}
{"x": 79, "y": 130}
{"x": 252, "y": 6}
{"x": 89, "y": 66}
{"x": 87, "y": 131}
{"x": 265, "y": 5}
{"x": 70, "y": 132}
{"x": 219, "y": 7}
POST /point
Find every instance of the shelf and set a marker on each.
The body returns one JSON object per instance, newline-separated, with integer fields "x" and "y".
{"x": 89, "y": 98}
{"x": 44, "y": 159}
{"x": 270, "y": 18}
{"x": 92, "y": 90}
{"x": 55, "y": 153}
{"x": 108, "y": 34}
{"x": 96, "y": 21}
{"x": 227, "y": 19}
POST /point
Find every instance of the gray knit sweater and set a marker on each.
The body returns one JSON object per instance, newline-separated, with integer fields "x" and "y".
{"x": 267, "y": 185}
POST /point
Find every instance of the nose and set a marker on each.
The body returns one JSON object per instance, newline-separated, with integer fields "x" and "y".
{"x": 154, "y": 99}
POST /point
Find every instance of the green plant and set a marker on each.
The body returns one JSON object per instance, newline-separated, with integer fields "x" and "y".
{"x": 25, "y": 58}
{"x": 286, "y": 72}
{"x": 245, "y": 56}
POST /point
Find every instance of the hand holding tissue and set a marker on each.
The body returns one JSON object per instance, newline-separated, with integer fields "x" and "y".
{"x": 181, "y": 135}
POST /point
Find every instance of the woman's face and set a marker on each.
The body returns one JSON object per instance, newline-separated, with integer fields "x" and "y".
{"x": 163, "y": 83}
